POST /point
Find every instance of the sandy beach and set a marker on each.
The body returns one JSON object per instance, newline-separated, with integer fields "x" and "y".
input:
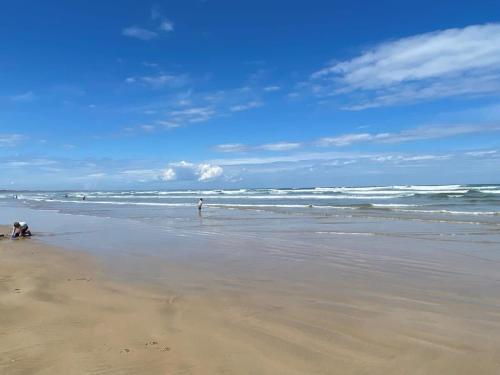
{"x": 60, "y": 313}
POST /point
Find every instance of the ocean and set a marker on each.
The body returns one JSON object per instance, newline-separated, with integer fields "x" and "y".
{"x": 419, "y": 201}
{"x": 420, "y": 217}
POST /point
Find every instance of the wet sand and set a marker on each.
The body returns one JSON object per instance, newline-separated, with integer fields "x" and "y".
{"x": 384, "y": 313}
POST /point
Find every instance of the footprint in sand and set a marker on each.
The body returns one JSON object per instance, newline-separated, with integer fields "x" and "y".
{"x": 125, "y": 350}
{"x": 17, "y": 290}
{"x": 153, "y": 343}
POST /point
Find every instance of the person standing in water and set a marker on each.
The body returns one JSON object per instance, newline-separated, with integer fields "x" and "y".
{"x": 200, "y": 204}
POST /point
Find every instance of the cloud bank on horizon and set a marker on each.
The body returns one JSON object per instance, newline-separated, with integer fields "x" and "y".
{"x": 173, "y": 100}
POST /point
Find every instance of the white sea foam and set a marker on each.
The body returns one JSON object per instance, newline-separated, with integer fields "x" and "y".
{"x": 390, "y": 205}
{"x": 452, "y": 212}
{"x": 348, "y": 233}
{"x": 242, "y": 197}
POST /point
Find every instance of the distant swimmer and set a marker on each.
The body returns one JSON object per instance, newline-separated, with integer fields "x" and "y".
{"x": 200, "y": 204}
{"x": 20, "y": 229}
{"x": 84, "y": 197}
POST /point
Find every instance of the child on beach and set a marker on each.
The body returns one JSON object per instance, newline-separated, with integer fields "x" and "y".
{"x": 200, "y": 204}
{"x": 20, "y": 229}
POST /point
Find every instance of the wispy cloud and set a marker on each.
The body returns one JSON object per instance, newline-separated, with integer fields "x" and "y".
{"x": 184, "y": 107}
{"x": 280, "y": 146}
{"x": 345, "y": 140}
{"x": 246, "y": 106}
{"x": 272, "y": 88}
{"x": 409, "y": 158}
{"x": 9, "y": 140}
{"x": 192, "y": 115}
{"x": 452, "y": 62}
{"x": 239, "y": 147}
{"x": 160, "y": 80}
{"x": 231, "y": 147}
{"x": 408, "y": 135}
{"x": 167, "y": 26}
{"x": 481, "y": 153}
{"x": 28, "y": 96}
{"x": 421, "y": 133}
{"x": 30, "y": 162}
{"x": 150, "y": 64}
{"x": 139, "y": 33}
{"x": 147, "y": 127}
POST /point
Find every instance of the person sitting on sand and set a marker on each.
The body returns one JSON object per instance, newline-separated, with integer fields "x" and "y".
{"x": 200, "y": 204}
{"x": 20, "y": 229}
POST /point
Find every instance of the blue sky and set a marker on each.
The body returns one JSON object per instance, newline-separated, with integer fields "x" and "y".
{"x": 204, "y": 94}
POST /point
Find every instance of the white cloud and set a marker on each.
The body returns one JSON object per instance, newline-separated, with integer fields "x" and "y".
{"x": 303, "y": 156}
{"x": 187, "y": 171}
{"x": 280, "y": 146}
{"x": 481, "y": 153}
{"x": 426, "y": 157}
{"x": 25, "y": 97}
{"x": 231, "y": 147}
{"x": 244, "y": 107}
{"x": 182, "y": 164}
{"x": 193, "y": 114}
{"x": 160, "y": 80}
{"x": 167, "y": 26}
{"x": 460, "y": 61}
{"x": 409, "y": 135}
{"x": 187, "y": 107}
{"x": 169, "y": 175}
{"x": 148, "y": 128}
{"x": 139, "y": 33}
{"x": 415, "y": 92}
{"x": 209, "y": 172}
{"x": 150, "y": 64}
{"x": 168, "y": 124}
{"x": 96, "y": 175}
{"x": 33, "y": 162}
{"x": 421, "y": 133}
{"x": 344, "y": 140}
{"x": 272, "y": 88}
{"x": 239, "y": 147}
{"x": 7, "y": 140}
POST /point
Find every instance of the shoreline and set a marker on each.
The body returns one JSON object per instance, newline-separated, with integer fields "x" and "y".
{"x": 62, "y": 312}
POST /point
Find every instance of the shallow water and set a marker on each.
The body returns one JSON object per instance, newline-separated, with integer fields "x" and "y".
{"x": 244, "y": 240}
